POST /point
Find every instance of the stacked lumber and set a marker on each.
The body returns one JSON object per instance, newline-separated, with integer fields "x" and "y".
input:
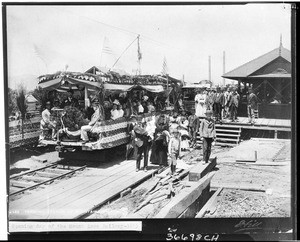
{"x": 165, "y": 187}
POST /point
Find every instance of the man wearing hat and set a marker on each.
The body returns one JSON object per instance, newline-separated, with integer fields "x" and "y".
{"x": 208, "y": 134}
{"x": 46, "y": 123}
{"x": 233, "y": 104}
{"x": 70, "y": 101}
{"x": 114, "y": 113}
{"x": 174, "y": 148}
{"x": 218, "y": 104}
{"x": 210, "y": 99}
{"x": 252, "y": 105}
{"x": 95, "y": 117}
{"x": 141, "y": 140}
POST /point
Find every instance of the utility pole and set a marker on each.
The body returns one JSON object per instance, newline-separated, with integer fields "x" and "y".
{"x": 223, "y": 67}
{"x": 139, "y": 56}
{"x": 209, "y": 68}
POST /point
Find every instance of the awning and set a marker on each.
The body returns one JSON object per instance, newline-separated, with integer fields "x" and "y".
{"x": 64, "y": 82}
{"x": 126, "y": 88}
{"x": 273, "y": 75}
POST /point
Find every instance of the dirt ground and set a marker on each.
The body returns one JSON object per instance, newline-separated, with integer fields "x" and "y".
{"x": 276, "y": 180}
{"x": 230, "y": 203}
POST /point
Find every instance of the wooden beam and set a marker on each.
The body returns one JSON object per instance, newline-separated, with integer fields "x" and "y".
{"x": 246, "y": 187}
{"x": 206, "y": 208}
{"x": 185, "y": 198}
{"x": 192, "y": 210}
{"x": 200, "y": 170}
{"x": 35, "y": 158}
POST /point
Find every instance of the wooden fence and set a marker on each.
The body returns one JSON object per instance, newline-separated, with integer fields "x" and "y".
{"x": 30, "y": 134}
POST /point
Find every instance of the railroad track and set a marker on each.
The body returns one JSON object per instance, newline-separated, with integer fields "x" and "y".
{"x": 28, "y": 180}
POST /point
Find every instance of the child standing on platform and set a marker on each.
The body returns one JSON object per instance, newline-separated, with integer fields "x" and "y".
{"x": 174, "y": 150}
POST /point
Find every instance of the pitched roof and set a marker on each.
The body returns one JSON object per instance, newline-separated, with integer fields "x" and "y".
{"x": 250, "y": 67}
{"x": 106, "y": 70}
{"x": 31, "y": 99}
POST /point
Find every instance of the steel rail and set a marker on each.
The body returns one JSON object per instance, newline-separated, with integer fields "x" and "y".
{"x": 52, "y": 179}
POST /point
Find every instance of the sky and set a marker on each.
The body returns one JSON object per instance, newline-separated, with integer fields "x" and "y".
{"x": 46, "y": 39}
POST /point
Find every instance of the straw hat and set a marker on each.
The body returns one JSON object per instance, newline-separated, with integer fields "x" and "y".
{"x": 116, "y": 102}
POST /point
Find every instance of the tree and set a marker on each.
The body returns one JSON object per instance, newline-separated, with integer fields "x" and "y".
{"x": 22, "y": 106}
{"x": 12, "y": 101}
{"x": 41, "y": 95}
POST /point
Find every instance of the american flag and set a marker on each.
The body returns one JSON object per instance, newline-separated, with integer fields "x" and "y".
{"x": 164, "y": 67}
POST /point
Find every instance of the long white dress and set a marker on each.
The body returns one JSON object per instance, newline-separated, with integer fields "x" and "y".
{"x": 200, "y": 106}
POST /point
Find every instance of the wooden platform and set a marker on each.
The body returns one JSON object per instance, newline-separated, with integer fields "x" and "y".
{"x": 260, "y": 123}
{"x": 78, "y": 195}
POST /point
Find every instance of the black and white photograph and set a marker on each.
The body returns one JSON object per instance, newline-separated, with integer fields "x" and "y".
{"x": 136, "y": 112}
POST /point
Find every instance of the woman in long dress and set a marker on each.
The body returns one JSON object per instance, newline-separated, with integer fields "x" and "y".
{"x": 200, "y": 104}
{"x": 159, "y": 154}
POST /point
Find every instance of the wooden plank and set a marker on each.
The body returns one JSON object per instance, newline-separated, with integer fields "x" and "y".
{"x": 100, "y": 195}
{"x": 43, "y": 210}
{"x": 272, "y": 122}
{"x": 76, "y": 194}
{"x": 85, "y": 204}
{"x": 228, "y": 135}
{"x": 238, "y": 186}
{"x": 208, "y": 205}
{"x": 243, "y": 120}
{"x": 68, "y": 188}
{"x": 230, "y": 132}
{"x": 32, "y": 171}
{"x": 185, "y": 198}
{"x": 226, "y": 139}
{"x": 46, "y": 174}
{"x": 229, "y": 126}
{"x": 200, "y": 170}
{"x": 265, "y": 122}
{"x": 36, "y": 158}
{"x": 70, "y": 185}
{"x": 34, "y": 178}
{"x": 192, "y": 210}
{"x": 57, "y": 171}
{"x": 21, "y": 184}
{"x": 50, "y": 180}
{"x": 225, "y": 144}
{"x": 258, "y": 121}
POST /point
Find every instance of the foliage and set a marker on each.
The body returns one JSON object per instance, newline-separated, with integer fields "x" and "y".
{"x": 73, "y": 119}
{"x": 21, "y": 101}
{"x": 41, "y": 95}
{"x": 12, "y": 101}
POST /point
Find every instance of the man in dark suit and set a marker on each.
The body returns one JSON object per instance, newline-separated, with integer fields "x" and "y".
{"x": 141, "y": 140}
{"x": 252, "y": 105}
{"x": 70, "y": 101}
{"x": 233, "y": 104}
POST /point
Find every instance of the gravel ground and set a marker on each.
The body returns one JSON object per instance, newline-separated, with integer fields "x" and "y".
{"x": 276, "y": 179}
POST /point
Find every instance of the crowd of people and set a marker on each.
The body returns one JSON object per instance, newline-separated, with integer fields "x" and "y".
{"x": 113, "y": 108}
{"x": 165, "y": 137}
{"x": 224, "y": 103}
{"x": 160, "y": 139}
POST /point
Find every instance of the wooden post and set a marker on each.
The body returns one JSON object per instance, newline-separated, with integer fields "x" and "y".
{"x": 86, "y": 98}
{"x": 209, "y": 68}
{"x": 223, "y": 67}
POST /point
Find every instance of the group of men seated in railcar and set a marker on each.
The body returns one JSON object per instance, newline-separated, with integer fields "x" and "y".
{"x": 114, "y": 106}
